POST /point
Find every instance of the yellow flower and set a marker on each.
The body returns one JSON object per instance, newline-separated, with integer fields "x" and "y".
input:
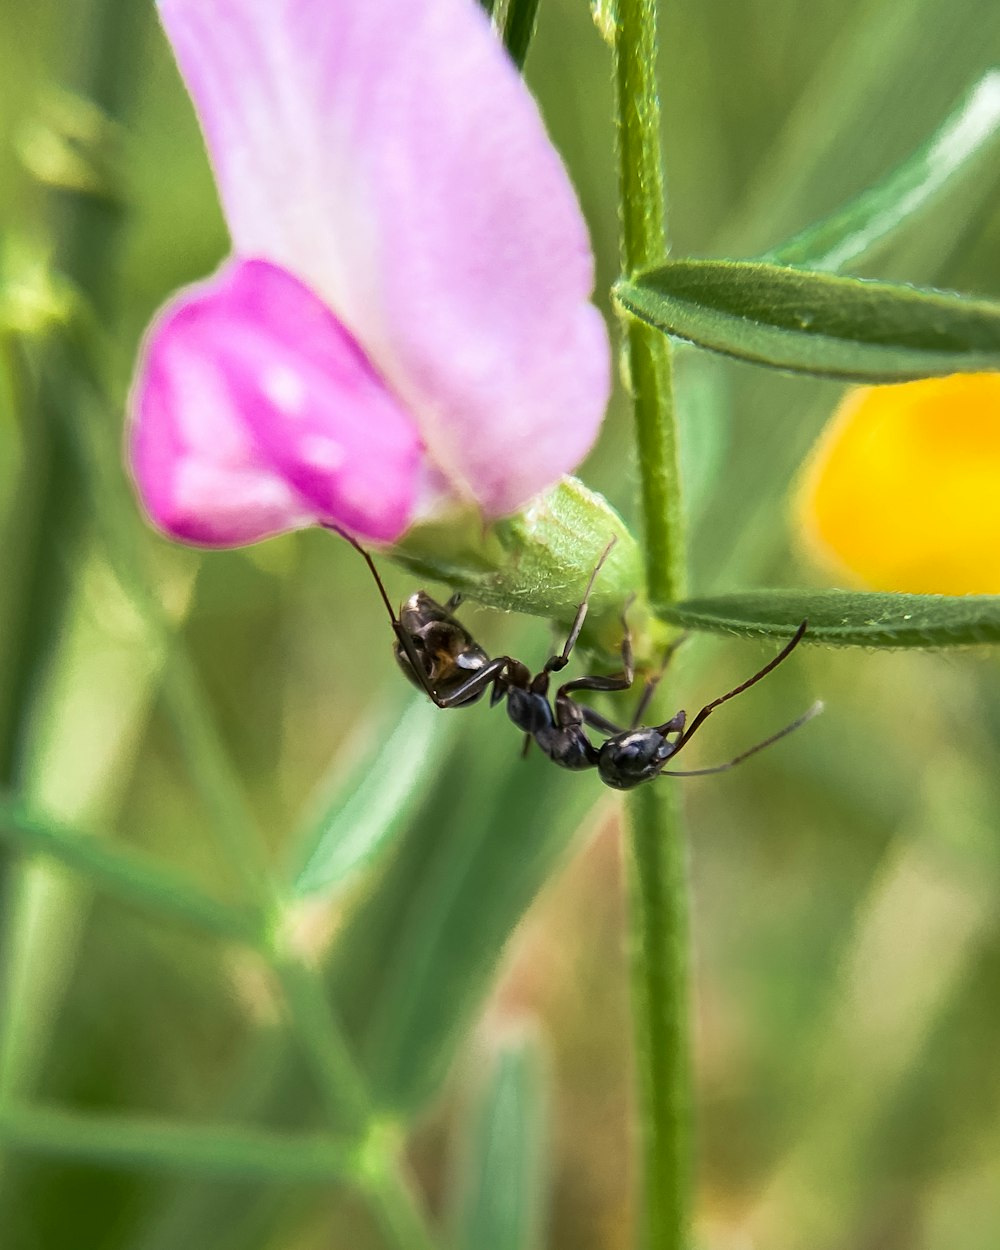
{"x": 902, "y": 491}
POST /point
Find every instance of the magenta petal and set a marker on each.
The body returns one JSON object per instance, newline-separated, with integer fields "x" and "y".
{"x": 387, "y": 152}
{"x": 254, "y": 411}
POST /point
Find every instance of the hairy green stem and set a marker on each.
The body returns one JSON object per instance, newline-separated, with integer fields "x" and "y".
{"x": 644, "y": 244}
{"x": 658, "y": 886}
{"x": 656, "y": 855}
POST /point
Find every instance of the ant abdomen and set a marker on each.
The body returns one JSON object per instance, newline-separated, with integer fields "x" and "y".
{"x": 448, "y": 653}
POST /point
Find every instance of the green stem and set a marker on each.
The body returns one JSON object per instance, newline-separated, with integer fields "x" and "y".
{"x": 138, "y": 1144}
{"x": 402, "y": 1222}
{"x": 131, "y": 878}
{"x": 644, "y": 244}
{"x": 340, "y": 1081}
{"x": 657, "y": 877}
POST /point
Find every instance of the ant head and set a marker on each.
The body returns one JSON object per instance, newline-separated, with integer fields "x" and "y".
{"x": 448, "y": 652}
{"x": 629, "y": 759}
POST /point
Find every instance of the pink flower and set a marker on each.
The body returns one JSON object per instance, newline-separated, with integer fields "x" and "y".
{"x": 405, "y": 321}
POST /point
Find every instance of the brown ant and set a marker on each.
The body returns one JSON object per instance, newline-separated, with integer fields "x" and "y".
{"x": 440, "y": 657}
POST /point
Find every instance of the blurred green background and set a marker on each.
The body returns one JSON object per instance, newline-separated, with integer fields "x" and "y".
{"x": 845, "y": 884}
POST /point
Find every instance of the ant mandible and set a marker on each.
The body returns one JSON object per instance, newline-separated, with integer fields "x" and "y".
{"x": 439, "y": 656}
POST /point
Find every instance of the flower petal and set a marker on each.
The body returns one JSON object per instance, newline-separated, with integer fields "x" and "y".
{"x": 255, "y": 412}
{"x": 388, "y": 154}
{"x": 900, "y": 492}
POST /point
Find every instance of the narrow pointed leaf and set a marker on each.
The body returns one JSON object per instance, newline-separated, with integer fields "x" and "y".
{"x": 817, "y": 323}
{"x": 847, "y": 618}
{"x": 131, "y": 878}
{"x": 499, "y": 1183}
{"x": 519, "y": 29}
{"x": 384, "y": 791}
{"x": 966, "y": 137}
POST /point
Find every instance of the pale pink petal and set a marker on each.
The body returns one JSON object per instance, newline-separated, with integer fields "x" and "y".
{"x": 254, "y": 411}
{"x": 387, "y": 152}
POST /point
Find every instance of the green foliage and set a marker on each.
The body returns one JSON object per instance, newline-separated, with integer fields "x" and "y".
{"x": 817, "y": 323}
{"x": 843, "y": 618}
{"x": 159, "y": 1089}
{"x": 499, "y": 1187}
{"x": 964, "y": 143}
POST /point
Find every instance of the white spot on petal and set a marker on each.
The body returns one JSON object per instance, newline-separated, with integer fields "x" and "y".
{"x": 285, "y": 389}
{"x": 322, "y": 453}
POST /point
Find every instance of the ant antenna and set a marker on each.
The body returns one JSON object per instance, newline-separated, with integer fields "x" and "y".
{"x": 558, "y": 662}
{"x": 815, "y": 710}
{"x": 769, "y": 667}
{"x": 374, "y": 571}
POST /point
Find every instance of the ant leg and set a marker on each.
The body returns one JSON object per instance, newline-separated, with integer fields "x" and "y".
{"x": 807, "y": 716}
{"x": 477, "y": 682}
{"x": 456, "y": 599}
{"x": 653, "y": 682}
{"x": 569, "y": 711}
{"x": 402, "y": 637}
{"x": 596, "y": 721}
{"x": 557, "y": 662}
{"x": 769, "y": 667}
{"x": 622, "y": 682}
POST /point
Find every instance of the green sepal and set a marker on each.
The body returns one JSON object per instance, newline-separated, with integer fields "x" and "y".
{"x": 539, "y": 562}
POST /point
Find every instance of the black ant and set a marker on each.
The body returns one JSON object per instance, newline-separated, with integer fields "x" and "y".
{"x": 440, "y": 657}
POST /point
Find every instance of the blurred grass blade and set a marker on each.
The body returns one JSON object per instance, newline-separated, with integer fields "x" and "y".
{"x": 135, "y": 1144}
{"x": 817, "y": 323}
{"x": 131, "y": 878}
{"x": 384, "y": 791}
{"x": 845, "y": 618}
{"x": 420, "y": 951}
{"x": 887, "y": 64}
{"x": 500, "y": 1185}
{"x": 966, "y": 137}
{"x": 519, "y": 28}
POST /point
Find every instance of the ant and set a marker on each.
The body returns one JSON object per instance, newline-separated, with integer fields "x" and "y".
{"x": 439, "y": 656}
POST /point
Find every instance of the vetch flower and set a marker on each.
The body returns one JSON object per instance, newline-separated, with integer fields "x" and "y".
{"x": 902, "y": 491}
{"x": 404, "y": 323}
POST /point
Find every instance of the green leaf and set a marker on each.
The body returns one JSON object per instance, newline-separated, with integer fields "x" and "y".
{"x": 817, "y": 323}
{"x": 499, "y": 1184}
{"x": 137, "y": 1144}
{"x": 846, "y": 618}
{"x": 131, "y": 878}
{"x": 519, "y": 28}
{"x": 387, "y": 787}
{"x": 853, "y": 231}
